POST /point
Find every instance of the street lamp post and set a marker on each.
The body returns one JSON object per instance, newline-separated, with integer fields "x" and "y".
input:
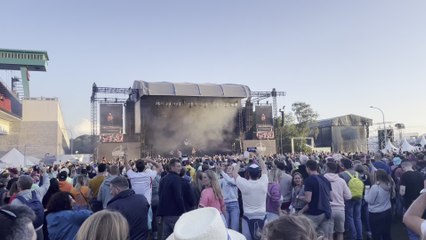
{"x": 384, "y": 124}
{"x": 281, "y": 130}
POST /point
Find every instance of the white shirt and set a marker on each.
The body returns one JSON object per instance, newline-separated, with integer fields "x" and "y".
{"x": 423, "y": 228}
{"x": 142, "y": 182}
{"x": 253, "y": 193}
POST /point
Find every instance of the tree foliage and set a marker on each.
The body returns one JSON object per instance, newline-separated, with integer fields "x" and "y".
{"x": 303, "y": 112}
{"x": 296, "y": 124}
{"x": 83, "y": 144}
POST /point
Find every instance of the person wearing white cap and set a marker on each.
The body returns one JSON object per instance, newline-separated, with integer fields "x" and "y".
{"x": 203, "y": 223}
{"x": 253, "y": 193}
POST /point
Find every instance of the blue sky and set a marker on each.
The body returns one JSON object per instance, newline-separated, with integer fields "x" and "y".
{"x": 339, "y": 56}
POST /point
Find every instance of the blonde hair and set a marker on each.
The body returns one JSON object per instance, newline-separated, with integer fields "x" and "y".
{"x": 274, "y": 175}
{"x": 214, "y": 182}
{"x": 290, "y": 227}
{"x": 79, "y": 182}
{"x": 197, "y": 183}
{"x": 104, "y": 225}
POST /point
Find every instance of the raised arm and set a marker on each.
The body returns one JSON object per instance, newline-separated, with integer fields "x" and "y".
{"x": 126, "y": 163}
{"x": 413, "y": 217}
{"x": 262, "y": 166}
{"x": 227, "y": 178}
{"x": 236, "y": 170}
{"x": 157, "y": 165}
{"x": 42, "y": 190}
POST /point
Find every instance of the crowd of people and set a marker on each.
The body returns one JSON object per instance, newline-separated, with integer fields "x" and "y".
{"x": 292, "y": 196}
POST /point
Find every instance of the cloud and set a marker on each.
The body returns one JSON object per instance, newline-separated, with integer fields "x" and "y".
{"x": 83, "y": 127}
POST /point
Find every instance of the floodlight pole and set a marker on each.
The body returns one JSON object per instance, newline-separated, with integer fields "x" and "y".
{"x": 384, "y": 124}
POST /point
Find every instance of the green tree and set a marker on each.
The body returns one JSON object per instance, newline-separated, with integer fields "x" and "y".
{"x": 296, "y": 124}
{"x": 286, "y": 132}
{"x": 83, "y": 144}
{"x": 303, "y": 112}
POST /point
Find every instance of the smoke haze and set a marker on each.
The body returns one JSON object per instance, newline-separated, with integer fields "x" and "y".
{"x": 206, "y": 127}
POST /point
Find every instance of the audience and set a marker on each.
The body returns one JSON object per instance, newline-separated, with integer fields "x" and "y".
{"x": 227, "y": 189}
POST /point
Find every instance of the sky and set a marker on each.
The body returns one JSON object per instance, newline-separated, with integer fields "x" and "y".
{"x": 338, "y": 56}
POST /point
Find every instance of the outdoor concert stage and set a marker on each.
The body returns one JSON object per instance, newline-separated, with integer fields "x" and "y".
{"x": 170, "y": 119}
{"x": 190, "y": 118}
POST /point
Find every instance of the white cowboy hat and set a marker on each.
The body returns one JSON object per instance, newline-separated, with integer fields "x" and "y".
{"x": 203, "y": 223}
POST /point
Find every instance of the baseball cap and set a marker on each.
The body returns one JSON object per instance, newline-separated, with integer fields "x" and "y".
{"x": 62, "y": 176}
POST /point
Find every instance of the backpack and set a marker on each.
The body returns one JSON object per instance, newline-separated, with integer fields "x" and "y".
{"x": 356, "y": 185}
{"x": 36, "y": 206}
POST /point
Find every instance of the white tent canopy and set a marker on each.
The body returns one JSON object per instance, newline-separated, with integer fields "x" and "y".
{"x": 423, "y": 141}
{"x": 32, "y": 160}
{"x": 389, "y": 147}
{"x": 406, "y": 147}
{"x": 15, "y": 159}
{"x": 81, "y": 158}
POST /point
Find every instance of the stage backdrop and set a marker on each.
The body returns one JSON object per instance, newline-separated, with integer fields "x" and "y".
{"x": 111, "y": 122}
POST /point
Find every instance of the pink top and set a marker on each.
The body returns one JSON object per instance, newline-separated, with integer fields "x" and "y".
{"x": 208, "y": 199}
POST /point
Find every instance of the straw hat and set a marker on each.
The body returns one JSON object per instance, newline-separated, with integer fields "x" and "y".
{"x": 203, "y": 223}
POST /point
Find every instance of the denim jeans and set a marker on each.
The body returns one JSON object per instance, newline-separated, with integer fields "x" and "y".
{"x": 168, "y": 226}
{"x": 232, "y": 215}
{"x": 247, "y": 232}
{"x": 365, "y": 217}
{"x": 353, "y": 218}
{"x": 411, "y": 234}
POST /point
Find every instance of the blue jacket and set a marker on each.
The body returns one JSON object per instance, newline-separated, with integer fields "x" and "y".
{"x": 64, "y": 225}
{"x": 134, "y": 208}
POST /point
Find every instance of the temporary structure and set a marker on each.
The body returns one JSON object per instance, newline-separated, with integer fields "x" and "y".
{"x": 406, "y": 147}
{"x": 32, "y": 160}
{"x": 389, "y": 148}
{"x": 423, "y": 141}
{"x": 14, "y": 158}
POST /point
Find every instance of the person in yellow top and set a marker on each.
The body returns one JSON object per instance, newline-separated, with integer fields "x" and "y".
{"x": 95, "y": 183}
{"x": 81, "y": 193}
{"x": 189, "y": 168}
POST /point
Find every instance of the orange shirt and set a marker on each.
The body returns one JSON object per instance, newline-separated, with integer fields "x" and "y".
{"x": 81, "y": 197}
{"x": 65, "y": 186}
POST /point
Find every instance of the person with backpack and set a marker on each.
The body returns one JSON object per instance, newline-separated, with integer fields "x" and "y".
{"x": 353, "y": 222}
{"x": 33, "y": 198}
{"x": 317, "y": 195}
